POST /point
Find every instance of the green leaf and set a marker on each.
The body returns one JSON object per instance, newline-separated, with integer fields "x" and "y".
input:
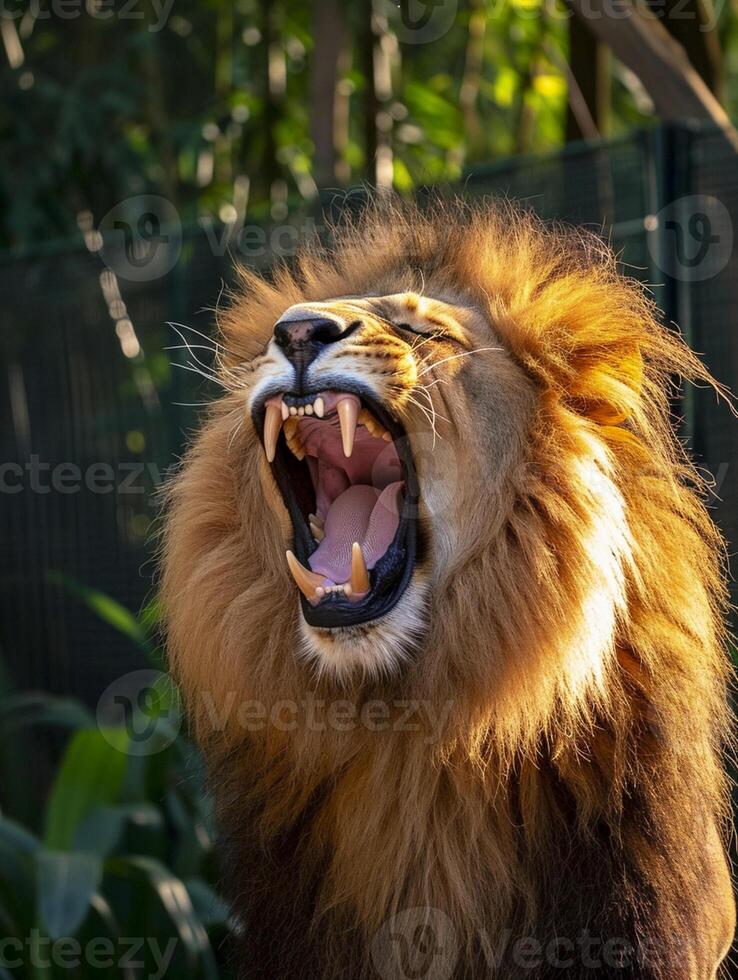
{"x": 90, "y": 775}
{"x": 17, "y": 850}
{"x": 176, "y": 901}
{"x": 40, "y": 708}
{"x": 110, "y": 611}
{"x": 66, "y": 882}
{"x": 210, "y": 907}
{"x": 106, "y": 827}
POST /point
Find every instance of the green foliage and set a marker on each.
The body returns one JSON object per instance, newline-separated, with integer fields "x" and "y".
{"x": 211, "y": 105}
{"x": 122, "y": 853}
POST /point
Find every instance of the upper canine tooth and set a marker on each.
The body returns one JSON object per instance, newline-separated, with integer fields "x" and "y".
{"x": 348, "y": 415}
{"x": 272, "y": 427}
{"x": 319, "y": 406}
{"x": 309, "y": 583}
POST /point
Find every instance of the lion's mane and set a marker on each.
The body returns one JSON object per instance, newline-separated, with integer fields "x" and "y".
{"x": 554, "y": 791}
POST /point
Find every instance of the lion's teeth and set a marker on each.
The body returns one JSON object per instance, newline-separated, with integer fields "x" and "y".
{"x": 316, "y": 519}
{"x": 348, "y": 415}
{"x": 309, "y": 583}
{"x": 272, "y": 427}
{"x": 372, "y": 426}
{"x": 292, "y": 437}
{"x": 317, "y": 532}
{"x": 368, "y": 422}
{"x": 293, "y": 410}
{"x": 359, "y": 574}
{"x": 285, "y": 412}
{"x": 308, "y": 409}
{"x": 319, "y": 406}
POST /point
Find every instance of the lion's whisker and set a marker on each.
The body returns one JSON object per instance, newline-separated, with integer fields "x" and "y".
{"x": 454, "y": 357}
{"x": 184, "y": 326}
{"x": 189, "y": 347}
{"x": 235, "y": 431}
{"x": 431, "y": 417}
{"x": 217, "y": 350}
{"x": 437, "y": 381}
{"x": 191, "y": 350}
{"x": 203, "y": 374}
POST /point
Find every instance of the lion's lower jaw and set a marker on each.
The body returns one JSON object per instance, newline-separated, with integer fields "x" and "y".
{"x": 376, "y": 649}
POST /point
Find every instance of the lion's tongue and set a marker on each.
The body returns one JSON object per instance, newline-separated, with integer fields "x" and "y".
{"x": 361, "y": 513}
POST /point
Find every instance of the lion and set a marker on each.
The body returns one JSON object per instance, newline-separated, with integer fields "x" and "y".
{"x": 446, "y": 608}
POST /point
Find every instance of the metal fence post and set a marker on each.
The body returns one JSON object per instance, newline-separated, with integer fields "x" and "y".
{"x": 668, "y": 186}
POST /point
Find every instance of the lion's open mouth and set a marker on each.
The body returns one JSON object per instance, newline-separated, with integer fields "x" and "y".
{"x": 346, "y": 474}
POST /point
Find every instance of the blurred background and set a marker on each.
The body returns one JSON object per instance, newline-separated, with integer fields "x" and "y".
{"x": 148, "y": 145}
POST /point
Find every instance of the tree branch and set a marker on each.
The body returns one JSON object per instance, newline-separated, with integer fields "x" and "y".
{"x": 644, "y": 45}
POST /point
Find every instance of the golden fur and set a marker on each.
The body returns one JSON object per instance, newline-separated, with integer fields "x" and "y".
{"x": 562, "y": 637}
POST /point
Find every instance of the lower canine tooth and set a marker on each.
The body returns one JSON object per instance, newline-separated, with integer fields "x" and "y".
{"x": 272, "y": 427}
{"x": 348, "y": 415}
{"x": 359, "y": 574}
{"x": 307, "y": 582}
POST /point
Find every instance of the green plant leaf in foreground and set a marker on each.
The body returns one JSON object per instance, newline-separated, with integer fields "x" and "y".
{"x": 17, "y": 849}
{"x": 41, "y": 708}
{"x": 177, "y": 904}
{"x": 107, "y": 608}
{"x": 66, "y": 882}
{"x": 90, "y": 775}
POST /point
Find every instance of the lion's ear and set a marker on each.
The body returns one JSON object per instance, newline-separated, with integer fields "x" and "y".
{"x": 605, "y": 383}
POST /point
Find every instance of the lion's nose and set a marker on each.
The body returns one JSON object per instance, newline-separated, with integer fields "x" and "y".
{"x": 303, "y": 339}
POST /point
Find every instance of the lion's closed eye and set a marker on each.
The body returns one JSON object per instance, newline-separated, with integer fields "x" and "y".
{"x": 429, "y": 331}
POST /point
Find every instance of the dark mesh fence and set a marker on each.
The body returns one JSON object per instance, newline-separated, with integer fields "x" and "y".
{"x": 94, "y": 412}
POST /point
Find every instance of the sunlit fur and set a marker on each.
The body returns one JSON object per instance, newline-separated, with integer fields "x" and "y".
{"x": 567, "y": 771}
